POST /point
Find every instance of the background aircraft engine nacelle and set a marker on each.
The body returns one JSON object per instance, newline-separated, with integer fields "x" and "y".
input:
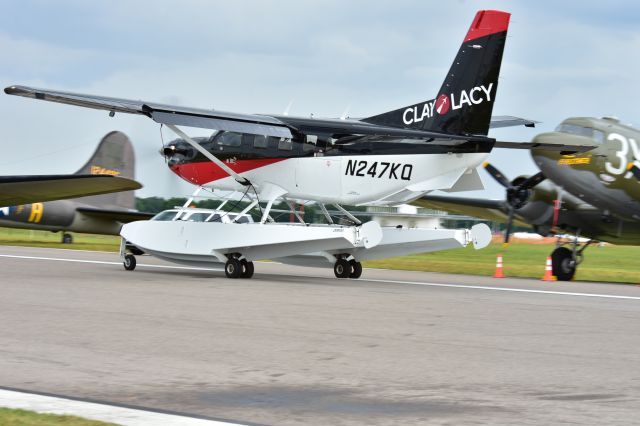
{"x": 55, "y": 213}
{"x": 518, "y": 196}
{"x": 538, "y": 208}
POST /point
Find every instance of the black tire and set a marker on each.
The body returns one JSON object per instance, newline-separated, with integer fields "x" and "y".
{"x": 247, "y": 269}
{"x": 342, "y": 268}
{"x": 356, "y": 269}
{"x": 129, "y": 262}
{"x": 562, "y": 264}
{"x": 233, "y": 268}
{"x": 67, "y": 238}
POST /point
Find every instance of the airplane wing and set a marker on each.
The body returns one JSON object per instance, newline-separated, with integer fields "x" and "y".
{"x": 15, "y": 190}
{"x": 265, "y": 124}
{"x": 166, "y": 114}
{"x": 122, "y": 216}
{"x": 229, "y": 121}
{"x": 493, "y": 210}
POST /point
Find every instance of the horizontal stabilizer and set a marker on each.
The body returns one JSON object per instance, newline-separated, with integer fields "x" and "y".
{"x": 15, "y": 190}
{"x": 499, "y": 121}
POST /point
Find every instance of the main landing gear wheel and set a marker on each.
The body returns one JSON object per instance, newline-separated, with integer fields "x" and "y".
{"x": 342, "y": 268}
{"x": 563, "y": 264}
{"x": 356, "y": 269}
{"x": 247, "y": 269}
{"x": 67, "y": 238}
{"x": 129, "y": 262}
{"x": 233, "y": 268}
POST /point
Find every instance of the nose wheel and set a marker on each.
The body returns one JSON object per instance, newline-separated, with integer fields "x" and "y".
{"x": 129, "y": 262}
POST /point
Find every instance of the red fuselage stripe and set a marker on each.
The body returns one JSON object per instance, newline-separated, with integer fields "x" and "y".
{"x": 204, "y": 172}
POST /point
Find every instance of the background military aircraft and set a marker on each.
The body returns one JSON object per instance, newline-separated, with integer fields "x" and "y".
{"x": 595, "y": 194}
{"x": 108, "y": 172}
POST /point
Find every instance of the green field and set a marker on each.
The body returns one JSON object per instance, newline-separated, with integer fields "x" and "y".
{"x": 23, "y": 237}
{"x": 11, "y": 417}
{"x": 607, "y": 263}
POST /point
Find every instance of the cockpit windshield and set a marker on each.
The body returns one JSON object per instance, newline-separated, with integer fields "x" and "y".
{"x": 588, "y": 132}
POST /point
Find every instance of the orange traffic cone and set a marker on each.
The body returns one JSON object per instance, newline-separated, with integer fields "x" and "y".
{"x": 499, "y": 273}
{"x": 548, "y": 271}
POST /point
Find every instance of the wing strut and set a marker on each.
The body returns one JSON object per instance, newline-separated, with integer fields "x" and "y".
{"x": 240, "y": 179}
{"x": 349, "y": 215}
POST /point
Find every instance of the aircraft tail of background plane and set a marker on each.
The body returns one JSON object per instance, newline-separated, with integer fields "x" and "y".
{"x": 464, "y": 103}
{"x": 114, "y": 156}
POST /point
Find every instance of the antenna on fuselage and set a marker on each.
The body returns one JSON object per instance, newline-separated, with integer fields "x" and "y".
{"x": 288, "y": 108}
{"x": 345, "y": 114}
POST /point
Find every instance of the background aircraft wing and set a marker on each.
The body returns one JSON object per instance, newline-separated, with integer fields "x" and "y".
{"x": 493, "y": 210}
{"x": 122, "y": 216}
{"x": 166, "y": 114}
{"x": 15, "y": 190}
{"x": 565, "y": 148}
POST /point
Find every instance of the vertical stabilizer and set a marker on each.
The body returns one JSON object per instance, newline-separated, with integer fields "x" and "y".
{"x": 114, "y": 156}
{"x": 464, "y": 103}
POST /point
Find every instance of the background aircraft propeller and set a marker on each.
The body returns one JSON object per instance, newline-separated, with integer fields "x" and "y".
{"x": 518, "y": 192}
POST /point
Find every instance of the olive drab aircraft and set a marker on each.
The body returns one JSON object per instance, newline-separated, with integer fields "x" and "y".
{"x": 100, "y": 212}
{"x": 391, "y": 158}
{"x": 594, "y": 194}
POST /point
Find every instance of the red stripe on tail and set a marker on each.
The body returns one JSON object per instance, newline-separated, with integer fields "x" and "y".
{"x": 488, "y": 22}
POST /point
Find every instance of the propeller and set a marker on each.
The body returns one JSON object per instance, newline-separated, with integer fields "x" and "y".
{"x": 518, "y": 192}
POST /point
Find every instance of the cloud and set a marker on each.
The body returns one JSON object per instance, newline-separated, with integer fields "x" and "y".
{"x": 562, "y": 59}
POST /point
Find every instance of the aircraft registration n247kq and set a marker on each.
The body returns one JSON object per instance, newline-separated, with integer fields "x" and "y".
{"x": 388, "y": 159}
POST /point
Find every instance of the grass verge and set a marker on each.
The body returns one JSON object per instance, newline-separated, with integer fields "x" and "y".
{"x": 521, "y": 259}
{"x": 607, "y": 263}
{"x": 14, "y": 417}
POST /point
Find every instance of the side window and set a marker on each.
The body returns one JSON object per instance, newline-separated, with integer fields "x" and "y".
{"x": 214, "y": 218}
{"x": 285, "y": 144}
{"x": 165, "y": 216}
{"x": 273, "y": 142}
{"x": 247, "y": 139}
{"x": 260, "y": 141}
{"x": 230, "y": 139}
{"x": 198, "y": 217}
{"x": 598, "y": 136}
{"x": 309, "y": 143}
{"x": 243, "y": 219}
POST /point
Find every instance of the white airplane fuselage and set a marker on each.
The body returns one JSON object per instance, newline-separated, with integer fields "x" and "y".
{"x": 350, "y": 180}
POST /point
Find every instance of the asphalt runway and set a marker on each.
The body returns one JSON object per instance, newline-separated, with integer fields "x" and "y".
{"x": 296, "y": 346}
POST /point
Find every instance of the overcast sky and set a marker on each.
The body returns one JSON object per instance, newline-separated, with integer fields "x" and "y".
{"x": 562, "y": 59}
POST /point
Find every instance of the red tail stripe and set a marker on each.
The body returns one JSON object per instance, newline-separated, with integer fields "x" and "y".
{"x": 488, "y": 22}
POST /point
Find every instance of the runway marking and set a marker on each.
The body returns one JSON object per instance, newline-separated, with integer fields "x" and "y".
{"x": 517, "y": 290}
{"x": 96, "y": 411}
{"x": 104, "y": 262}
{"x": 474, "y": 287}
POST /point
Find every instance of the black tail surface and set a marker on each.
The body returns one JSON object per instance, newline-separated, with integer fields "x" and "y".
{"x": 465, "y": 101}
{"x": 114, "y": 156}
